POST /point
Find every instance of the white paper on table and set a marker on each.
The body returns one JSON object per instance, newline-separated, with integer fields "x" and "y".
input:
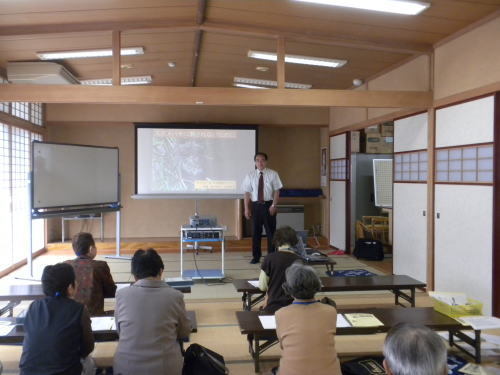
{"x": 481, "y": 322}
{"x": 5, "y": 329}
{"x": 122, "y": 285}
{"x": 342, "y": 321}
{"x": 254, "y": 283}
{"x": 268, "y": 321}
{"x": 103, "y": 323}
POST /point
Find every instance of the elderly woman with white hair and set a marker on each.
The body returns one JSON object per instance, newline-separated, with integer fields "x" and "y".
{"x": 412, "y": 349}
{"x": 306, "y": 328}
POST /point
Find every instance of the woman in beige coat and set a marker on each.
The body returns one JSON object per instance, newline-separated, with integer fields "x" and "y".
{"x": 150, "y": 318}
{"x": 306, "y": 328}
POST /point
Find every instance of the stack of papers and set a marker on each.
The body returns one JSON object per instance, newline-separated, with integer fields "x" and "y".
{"x": 363, "y": 320}
{"x": 452, "y": 299}
{"x": 480, "y": 322}
{"x": 103, "y": 323}
{"x": 5, "y": 328}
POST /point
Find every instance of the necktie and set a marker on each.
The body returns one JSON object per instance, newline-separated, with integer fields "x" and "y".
{"x": 260, "y": 195}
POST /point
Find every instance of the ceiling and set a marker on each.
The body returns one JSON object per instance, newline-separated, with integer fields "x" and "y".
{"x": 222, "y": 32}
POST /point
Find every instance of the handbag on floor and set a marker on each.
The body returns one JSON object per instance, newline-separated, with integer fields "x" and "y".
{"x": 199, "y": 360}
{"x": 364, "y": 366}
{"x": 369, "y": 249}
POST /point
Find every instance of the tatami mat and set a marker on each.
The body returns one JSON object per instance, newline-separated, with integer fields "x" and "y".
{"x": 215, "y": 305}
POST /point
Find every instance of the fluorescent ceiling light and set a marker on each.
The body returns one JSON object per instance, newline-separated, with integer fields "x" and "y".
{"x": 406, "y": 7}
{"x": 297, "y": 59}
{"x": 139, "y": 80}
{"x": 128, "y": 51}
{"x": 264, "y": 82}
{"x": 245, "y": 86}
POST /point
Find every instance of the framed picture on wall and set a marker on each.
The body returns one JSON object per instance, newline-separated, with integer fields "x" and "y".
{"x": 324, "y": 169}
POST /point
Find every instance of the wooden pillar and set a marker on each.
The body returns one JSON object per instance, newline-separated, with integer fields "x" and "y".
{"x": 431, "y": 136}
{"x": 116, "y": 46}
{"x": 280, "y": 63}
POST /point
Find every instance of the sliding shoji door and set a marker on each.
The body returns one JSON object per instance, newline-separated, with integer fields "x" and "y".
{"x": 464, "y": 199}
{"x": 339, "y": 177}
{"x": 410, "y": 197}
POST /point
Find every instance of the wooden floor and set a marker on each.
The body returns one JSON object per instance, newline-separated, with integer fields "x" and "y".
{"x": 167, "y": 245}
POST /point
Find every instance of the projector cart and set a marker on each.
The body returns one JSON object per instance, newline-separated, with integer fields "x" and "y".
{"x": 197, "y": 235}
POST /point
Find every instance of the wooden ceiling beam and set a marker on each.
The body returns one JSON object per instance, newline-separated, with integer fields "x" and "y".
{"x": 338, "y": 40}
{"x": 97, "y": 26}
{"x": 200, "y": 19}
{"x": 280, "y": 63}
{"x": 213, "y": 96}
{"x": 116, "y": 46}
{"x": 258, "y": 32}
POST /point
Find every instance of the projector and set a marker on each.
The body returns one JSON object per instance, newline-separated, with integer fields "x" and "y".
{"x": 197, "y": 221}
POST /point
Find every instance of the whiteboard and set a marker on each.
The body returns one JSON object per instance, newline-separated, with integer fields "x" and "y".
{"x": 382, "y": 178}
{"x": 73, "y": 175}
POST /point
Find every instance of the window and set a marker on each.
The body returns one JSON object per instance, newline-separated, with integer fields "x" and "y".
{"x": 32, "y": 112}
{"x": 338, "y": 169}
{"x": 4, "y": 106}
{"x": 466, "y": 165}
{"x": 15, "y": 158}
{"x": 410, "y": 166}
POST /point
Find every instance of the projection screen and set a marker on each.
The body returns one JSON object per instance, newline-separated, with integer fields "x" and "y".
{"x": 192, "y": 160}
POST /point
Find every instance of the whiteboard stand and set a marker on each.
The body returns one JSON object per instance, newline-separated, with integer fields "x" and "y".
{"x": 118, "y": 243}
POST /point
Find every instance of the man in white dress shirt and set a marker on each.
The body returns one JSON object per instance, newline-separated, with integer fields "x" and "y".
{"x": 262, "y": 190}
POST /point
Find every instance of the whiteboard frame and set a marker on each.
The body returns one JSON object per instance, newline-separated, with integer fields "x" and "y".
{"x": 89, "y": 206}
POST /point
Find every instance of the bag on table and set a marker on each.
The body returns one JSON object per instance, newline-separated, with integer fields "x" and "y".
{"x": 199, "y": 360}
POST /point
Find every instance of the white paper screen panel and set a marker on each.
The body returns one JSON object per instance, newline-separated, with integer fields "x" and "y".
{"x": 410, "y": 133}
{"x": 382, "y": 178}
{"x": 463, "y": 241}
{"x": 467, "y": 123}
{"x": 337, "y": 214}
{"x": 410, "y": 230}
{"x": 71, "y": 175}
{"x": 338, "y": 146}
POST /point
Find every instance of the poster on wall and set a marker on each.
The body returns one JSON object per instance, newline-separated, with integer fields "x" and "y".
{"x": 323, "y": 171}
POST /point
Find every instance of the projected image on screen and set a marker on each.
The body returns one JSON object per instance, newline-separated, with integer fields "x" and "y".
{"x": 193, "y": 161}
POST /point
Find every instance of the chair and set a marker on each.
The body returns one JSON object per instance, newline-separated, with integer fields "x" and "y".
{"x": 374, "y": 227}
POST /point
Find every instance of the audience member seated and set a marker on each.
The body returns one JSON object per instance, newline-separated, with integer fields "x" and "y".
{"x": 93, "y": 277}
{"x": 272, "y": 274}
{"x": 150, "y": 318}
{"x": 412, "y": 349}
{"x": 58, "y": 332}
{"x": 306, "y": 328}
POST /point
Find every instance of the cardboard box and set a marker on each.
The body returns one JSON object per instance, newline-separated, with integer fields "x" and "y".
{"x": 387, "y": 129}
{"x": 376, "y": 144}
{"x": 372, "y": 129}
{"x": 355, "y": 141}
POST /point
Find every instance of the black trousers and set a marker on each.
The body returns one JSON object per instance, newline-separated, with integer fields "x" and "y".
{"x": 262, "y": 217}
